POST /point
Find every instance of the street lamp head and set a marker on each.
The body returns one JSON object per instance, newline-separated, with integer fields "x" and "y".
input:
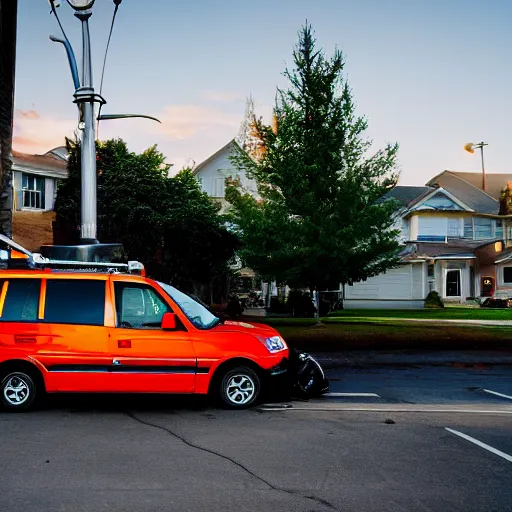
{"x": 470, "y": 147}
{"x": 81, "y": 5}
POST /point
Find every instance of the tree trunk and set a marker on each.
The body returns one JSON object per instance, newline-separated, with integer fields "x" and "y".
{"x": 8, "y": 18}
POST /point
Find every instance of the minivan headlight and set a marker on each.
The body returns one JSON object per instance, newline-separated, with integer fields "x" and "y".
{"x": 274, "y": 343}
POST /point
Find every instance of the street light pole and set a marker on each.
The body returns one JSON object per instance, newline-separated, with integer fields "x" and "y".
{"x": 481, "y": 146}
{"x": 470, "y": 148}
{"x": 85, "y": 96}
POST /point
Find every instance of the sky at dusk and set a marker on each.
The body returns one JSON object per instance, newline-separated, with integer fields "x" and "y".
{"x": 428, "y": 74}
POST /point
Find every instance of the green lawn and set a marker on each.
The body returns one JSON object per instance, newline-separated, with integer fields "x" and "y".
{"x": 395, "y": 335}
{"x": 389, "y": 329}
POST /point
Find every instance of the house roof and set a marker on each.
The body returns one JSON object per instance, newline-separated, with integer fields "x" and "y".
{"x": 494, "y": 183}
{"x": 50, "y": 164}
{"x": 455, "y": 248}
{"x": 506, "y": 255}
{"x": 227, "y": 147}
{"x": 475, "y": 198}
{"x": 407, "y": 195}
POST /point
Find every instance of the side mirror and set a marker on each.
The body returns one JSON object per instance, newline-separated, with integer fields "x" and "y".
{"x": 169, "y": 322}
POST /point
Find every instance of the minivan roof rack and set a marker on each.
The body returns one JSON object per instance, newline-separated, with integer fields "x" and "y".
{"x": 15, "y": 256}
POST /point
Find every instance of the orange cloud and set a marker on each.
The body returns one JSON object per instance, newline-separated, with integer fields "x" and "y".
{"x": 27, "y": 114}
{"x": 34, "y": 133}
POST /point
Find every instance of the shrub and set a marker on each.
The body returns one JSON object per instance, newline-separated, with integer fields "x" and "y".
{"x": 433, "y": 300}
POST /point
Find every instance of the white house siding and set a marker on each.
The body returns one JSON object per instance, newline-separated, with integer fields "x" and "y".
{"x": 402, "y": 287}
{"x": 49, "y": 193}
{"x": 213, "y": 174}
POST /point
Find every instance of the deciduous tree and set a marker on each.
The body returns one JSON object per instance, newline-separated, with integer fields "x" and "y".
{"x": 168, "y": 223}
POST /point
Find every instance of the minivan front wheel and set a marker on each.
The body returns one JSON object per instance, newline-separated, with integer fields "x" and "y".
{"x": 239, "y": 388}
{"x": 18, "y": 391}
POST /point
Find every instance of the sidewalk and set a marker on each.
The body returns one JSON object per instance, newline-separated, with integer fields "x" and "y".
{"x": 366, "y": 358}
{"x": 448, "y": 321}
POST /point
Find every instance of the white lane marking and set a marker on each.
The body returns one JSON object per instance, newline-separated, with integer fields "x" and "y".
{"x": 383, "y": 408}
{"x": 351, "y": 394}
{"x": 497, "y": 394}
{"x": 482, "y": 445}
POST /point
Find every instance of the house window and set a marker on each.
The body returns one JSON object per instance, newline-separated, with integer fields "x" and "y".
{"x": 33, "y": 191}
{"x": 453, "y": 227}
{"x": 468, "y": 227}
{"x": 440, "y": 202}
{"x": 483, "y": 228}
{"x": 507, "y": 275}
{"x": 499, "y": 229}
{"x": 220, "y": 185}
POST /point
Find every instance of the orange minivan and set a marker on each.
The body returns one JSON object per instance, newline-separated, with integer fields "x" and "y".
{"x": 69, "y": 331}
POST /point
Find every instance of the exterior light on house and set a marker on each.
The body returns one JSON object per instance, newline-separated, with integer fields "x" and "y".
{"x": 498, "y": 246}
{"x": 470, "y": 148}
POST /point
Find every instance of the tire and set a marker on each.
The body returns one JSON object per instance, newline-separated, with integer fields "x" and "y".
{"x": 18, "y": 391}
{"x": 239, "y": 388}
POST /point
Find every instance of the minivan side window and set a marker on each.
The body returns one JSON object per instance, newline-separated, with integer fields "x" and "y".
{"x": 75, "y": 301}
{"x": 21, "y": 302}
{"x": 139, "y": 306}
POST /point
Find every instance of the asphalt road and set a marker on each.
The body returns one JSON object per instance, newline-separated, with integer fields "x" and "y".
{"x": 390, "y": 452}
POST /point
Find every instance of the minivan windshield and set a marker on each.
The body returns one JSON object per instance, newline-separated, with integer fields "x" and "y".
{"x": 195, "y": 312}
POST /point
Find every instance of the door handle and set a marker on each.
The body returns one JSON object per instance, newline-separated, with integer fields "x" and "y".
{"x": 124, "y": 343}
{"x": 24, "y": 340}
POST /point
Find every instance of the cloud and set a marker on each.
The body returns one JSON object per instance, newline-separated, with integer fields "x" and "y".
{"x": 223, "y": 96}
{"x": 34, "y": 133}
{"x": 28, "y": 114}
{"x": 185, "y": 121}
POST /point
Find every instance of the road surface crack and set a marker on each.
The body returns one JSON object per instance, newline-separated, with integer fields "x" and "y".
{"x": 232, "y": 461}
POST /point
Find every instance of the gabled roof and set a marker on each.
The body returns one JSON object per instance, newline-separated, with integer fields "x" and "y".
{"x": 407, "y": 195}
{"x": 475, "y": 198}
{"x": 227, "y": 148}
{"x": 504, "y": 256}
{"x": 494, "y": 183}
{"x": 49, "y": 164}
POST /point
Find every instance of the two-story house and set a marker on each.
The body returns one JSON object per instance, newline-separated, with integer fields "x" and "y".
{"x": 34, "y": 180}
{"x": 454, "y": 242}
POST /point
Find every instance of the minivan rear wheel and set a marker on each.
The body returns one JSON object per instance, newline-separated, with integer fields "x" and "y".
{"x": 240, "y": 388}
{"x": 18, "y": 391}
